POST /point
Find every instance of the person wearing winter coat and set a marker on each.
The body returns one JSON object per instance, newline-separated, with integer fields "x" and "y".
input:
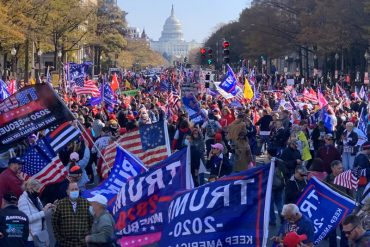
{"x": 102, "y": 230}
{"x": 243, "y": 154}
{"x": 75, "y": 160}
{"x": 292, "y": 158}
{"x": 30, "y": 204}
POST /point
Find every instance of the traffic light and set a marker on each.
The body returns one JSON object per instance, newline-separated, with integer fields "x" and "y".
{"x": 210, "y": 56}
{"x": 226, "y": 46}
{"x": 203, "y": 52}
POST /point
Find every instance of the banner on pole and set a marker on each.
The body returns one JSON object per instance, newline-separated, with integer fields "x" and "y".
{"x": 141, "y": 204}
{"x": 30, "y": 109}
{"x": 126, "y": 166}
{"x": 325, "y": 207}
{"x": 233, "y": 211}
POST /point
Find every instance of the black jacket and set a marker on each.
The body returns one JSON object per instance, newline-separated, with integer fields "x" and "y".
{"x": 294, "y": 190}
{"x": 290, "y": 156}
{"x": 14, "y": 225}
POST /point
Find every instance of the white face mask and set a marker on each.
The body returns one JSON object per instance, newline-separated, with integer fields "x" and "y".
{"x": 91, "y": 210}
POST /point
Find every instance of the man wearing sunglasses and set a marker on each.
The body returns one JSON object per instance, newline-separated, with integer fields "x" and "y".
{"x": 354, "y": 231}
{"x": 296, "y": 184}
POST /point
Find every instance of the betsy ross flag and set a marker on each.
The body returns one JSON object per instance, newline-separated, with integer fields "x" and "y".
{"x": 62, "y": 135}
{"x": 87, "y": 87}
{"x": 347, "y": 180}
{"x": 149, "y": 143}
{"x": 41, "y": 163}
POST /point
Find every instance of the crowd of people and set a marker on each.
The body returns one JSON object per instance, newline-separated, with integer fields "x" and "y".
{"x": 229, "y": 140}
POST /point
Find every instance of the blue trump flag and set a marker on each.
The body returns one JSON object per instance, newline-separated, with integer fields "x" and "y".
{"x": 125, "y": 167}
{"x": 229, "y": 83}
{"x": 141, "y": 205}
{"x": 327, "y": 120}
{"x": 106, "y": 95}
{"x": 3, "y": 91}
{"x": 325, "y": 207}
{"x": 233, "y": 211}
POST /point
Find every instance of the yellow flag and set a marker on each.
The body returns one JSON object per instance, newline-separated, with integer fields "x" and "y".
{"x": 32, "y": 81}
{"x": 127, "y": 85}
{"x": 248, "y": 92}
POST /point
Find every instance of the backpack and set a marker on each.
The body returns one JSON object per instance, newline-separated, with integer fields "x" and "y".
{"x": 211, "y": 128}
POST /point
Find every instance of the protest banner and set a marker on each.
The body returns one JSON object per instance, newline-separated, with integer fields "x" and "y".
{"x": 29, "y": 110}
{"x": 125, "y": 167}
{"x": 189, "y": 88}
{"x": 129, "y": 93}
{"x": 233, "y": 211}
{"x": 141, "y": 205}
{"x": 325, "y": 207}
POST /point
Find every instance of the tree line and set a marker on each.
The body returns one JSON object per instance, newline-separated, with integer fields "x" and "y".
{"x": 62, "y": 27}
{"x": 277, "y": 28}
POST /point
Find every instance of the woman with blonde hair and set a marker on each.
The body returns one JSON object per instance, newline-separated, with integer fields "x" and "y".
{"x": 30, "y": 204}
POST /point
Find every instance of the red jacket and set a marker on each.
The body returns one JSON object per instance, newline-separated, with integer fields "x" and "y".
{"x": 9, "y": 182}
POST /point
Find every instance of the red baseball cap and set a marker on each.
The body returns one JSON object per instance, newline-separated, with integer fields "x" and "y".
{"x": 292, "y": 239}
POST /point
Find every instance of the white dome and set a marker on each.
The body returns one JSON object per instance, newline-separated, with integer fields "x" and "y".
{"x": 172, "y": 29}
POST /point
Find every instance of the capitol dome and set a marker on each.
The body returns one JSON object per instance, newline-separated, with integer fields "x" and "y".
{"x": 172, "y": 29}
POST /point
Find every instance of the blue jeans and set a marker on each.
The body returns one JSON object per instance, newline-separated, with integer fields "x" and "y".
{"x": 277, "y": 200}
{"x": 347, "y": 161}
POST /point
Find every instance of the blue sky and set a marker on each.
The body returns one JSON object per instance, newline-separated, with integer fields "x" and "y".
{"x": 199, "y": 18}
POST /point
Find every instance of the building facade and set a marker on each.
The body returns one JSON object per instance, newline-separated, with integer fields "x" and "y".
{"x": 171, "y": 44}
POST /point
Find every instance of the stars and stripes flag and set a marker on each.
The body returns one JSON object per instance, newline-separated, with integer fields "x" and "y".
{"x": 322, "y": 101}
{"x": 61, "y": 136}
{"x": 150, "y": 143}
{"x": 12, "y": 87}
{"x": 173, "y": 100}
{"x": 87, "y": 87}
{"x": 309, "y": 96}
{"x": 43, "y": 164}
{"x": 347, "y": 179}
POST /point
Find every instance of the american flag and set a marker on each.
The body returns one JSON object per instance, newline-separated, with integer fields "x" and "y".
{"x": 173, "y": 100}
{"x": 41, "y": 163}
{"x": 347, "y": 179}
{"x": 62, "y": 135}
{"x": 87, "y": 87}
{"x": 150, "y": 143}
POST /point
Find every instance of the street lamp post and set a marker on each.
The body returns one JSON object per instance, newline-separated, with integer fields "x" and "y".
{"x": 13, "y": 52}
{"x": 60, "y": 67}
{"x": 286, "y": 64}
{"x": 366, "y": 75}
{"x": 39, "y": 54}
{"x": 336, "y": 65}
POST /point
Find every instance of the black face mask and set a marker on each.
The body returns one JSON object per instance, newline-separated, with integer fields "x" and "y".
{"x": 35, "y": 194}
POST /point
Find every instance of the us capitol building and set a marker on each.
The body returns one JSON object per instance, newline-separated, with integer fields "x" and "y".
{"x": 171, "y": 44}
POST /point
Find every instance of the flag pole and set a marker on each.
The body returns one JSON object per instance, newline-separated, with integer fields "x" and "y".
{"x": 88, "y": 136}
{"x": 74, "y": 119}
